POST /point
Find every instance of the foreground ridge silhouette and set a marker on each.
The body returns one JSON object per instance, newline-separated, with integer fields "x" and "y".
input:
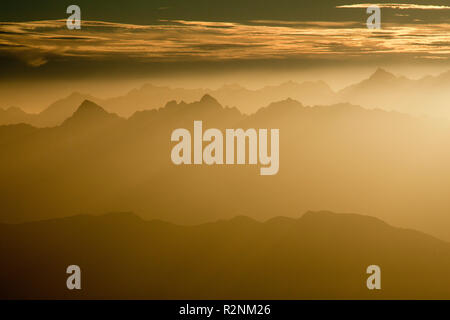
{"x": 321, "y": 255}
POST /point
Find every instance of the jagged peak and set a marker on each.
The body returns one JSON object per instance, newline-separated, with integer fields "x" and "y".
{"x": 89, "y": 106}
{"x": 209, "y": 99}
{"x": 280, "y": 107}
{"x": 382, "y": 74}
{"x": 288, "y": 102}
{"x": 13, "y": 109}
{"x": 89, "y": 110}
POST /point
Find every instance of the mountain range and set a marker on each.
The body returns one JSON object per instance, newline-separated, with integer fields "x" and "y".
{"x": 339, "y": 157}
{"x": 321, "y": 255}
{"x": 425, "y": 96}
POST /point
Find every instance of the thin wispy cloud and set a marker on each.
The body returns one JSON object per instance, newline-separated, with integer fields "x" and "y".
{"x": 334, "y": 24}
{"x": 400, "y": 6}
{"x": 40, "y": 41}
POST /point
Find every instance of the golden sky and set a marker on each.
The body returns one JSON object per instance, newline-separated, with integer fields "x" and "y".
{"x": 162, "y": 39}
{"x": 326, "y": 29}
{"x": 38, "y": 41}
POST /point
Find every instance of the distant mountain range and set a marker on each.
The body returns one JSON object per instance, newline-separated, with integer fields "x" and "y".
{"x": 340, "y": 157}
{"x": 153, "y": 97}
{"x": 321, "y": 255}
{"x": 428, "y": 96}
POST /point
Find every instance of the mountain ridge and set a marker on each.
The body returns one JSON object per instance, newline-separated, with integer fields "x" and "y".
{"x": 318, "y": 259}
{"x": 331, "y": 150}
{"x": 90, "y": 113}
{"x": 380, "y": 89}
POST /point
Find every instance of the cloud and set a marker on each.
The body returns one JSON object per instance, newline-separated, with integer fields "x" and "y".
{"x": 325, "y": 24}
{"x": 400, "y": 6}
{"x": 37, "y": 42}
{"x": 35, "y": 61}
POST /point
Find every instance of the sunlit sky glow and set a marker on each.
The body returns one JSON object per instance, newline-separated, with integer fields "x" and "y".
{"x": 174, "y": 42}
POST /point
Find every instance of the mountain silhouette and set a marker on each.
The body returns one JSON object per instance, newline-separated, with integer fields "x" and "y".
{"x": 53, "y": 115}
{"x": 381, "y": 89}
{"x": 206, "y": 103}
{"x": 382, "y": 75}
{"x": 89, "y": 113}
{"x": 15, "y": 115}
{"x": 249, "y": 101}
{"x": 153, "y": 97}
{"x": 330, "y": 157}
{"x": 341, "y": 157}
{"x": 379, "y": 80}
{"x": 207, "y": 99}
{"x": 182, "y": 114}
{"x": 62, "y": 109}
{"x": 321, "y": 255}
{"x": 425, "y": 96}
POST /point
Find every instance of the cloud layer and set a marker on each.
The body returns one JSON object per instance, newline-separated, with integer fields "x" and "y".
{"x": 179, "y": 40}
{"x": 401, "y": 6}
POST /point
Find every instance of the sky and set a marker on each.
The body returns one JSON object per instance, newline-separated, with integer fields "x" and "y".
{"x": 207, "y": 43}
